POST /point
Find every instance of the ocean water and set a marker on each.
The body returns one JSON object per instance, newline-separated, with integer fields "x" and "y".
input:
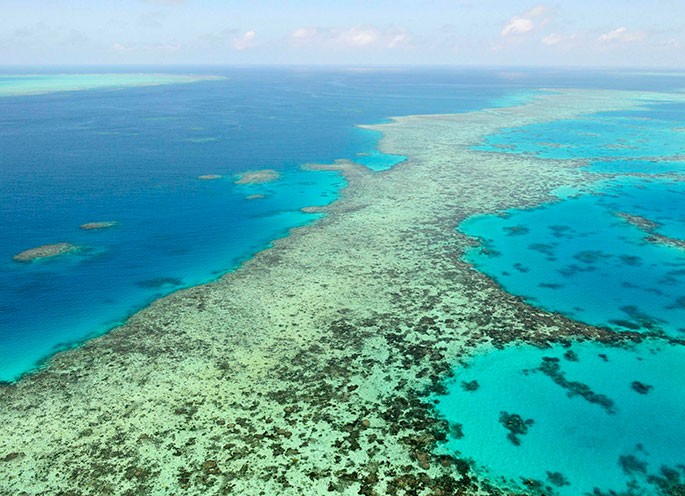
{"x": 133, "y": 154}
{"x": 587, "y": 419}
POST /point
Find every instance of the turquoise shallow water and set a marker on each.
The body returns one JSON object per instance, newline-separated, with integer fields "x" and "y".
{"x": 579, "y": 255}
{"x": 598, "y": 417}
{"x": 637, "y": 167}
{"x": 657, "y": 132}
{"x": 375, "y": 160}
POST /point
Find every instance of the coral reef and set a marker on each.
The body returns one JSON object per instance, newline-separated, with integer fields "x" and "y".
{"x": 306, "y": 370}
{"x": 257, "y": 177}
{"x": 45, "y": 251}
{"x": 93, "y": 226}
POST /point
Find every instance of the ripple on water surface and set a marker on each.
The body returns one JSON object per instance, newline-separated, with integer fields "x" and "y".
{"x": 569, "y": 420}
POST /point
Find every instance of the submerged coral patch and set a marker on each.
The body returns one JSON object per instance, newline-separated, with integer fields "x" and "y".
{"x": 45, "y": 251}
{"x": 95, "y": 226}
{"x": 257, "y": 177}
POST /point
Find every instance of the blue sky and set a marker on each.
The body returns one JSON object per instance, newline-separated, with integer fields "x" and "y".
{"x": 631, "y": 33}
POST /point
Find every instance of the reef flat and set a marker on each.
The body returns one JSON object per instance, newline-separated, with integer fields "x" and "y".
{"x": 45, "y": 251}
{"x": 95, "y": 226}
{"x": 307, "y": 370}
{"x": 257, "y": 177}
{"x": 39, "y": 84}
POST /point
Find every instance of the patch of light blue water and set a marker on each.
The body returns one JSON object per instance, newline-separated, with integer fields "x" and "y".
{"x": 637, "y": 167}
{"x": 376, "y": 160}
{"x": 581, "y": 257}
{"x": 588, "y": 417}
{"x": 610, "y": 135}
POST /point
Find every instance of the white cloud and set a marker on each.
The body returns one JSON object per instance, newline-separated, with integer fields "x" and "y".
{"x": 554, "y": 39}
{"x": 146, "y": 47}
{"x": 518, "y": 25}
{"x": 303, "y": 36}
{"x": 538, "y": 11}
{"x": 622, "y": 35}
{"x": 229, "y": 38}
{"x": 244, "y": 41}
{"x": 398, "y": 40}
{"x": 121, "y": 48}
{"x": 672, "y": 43}
{"x": 527, "y": 22}
{"x": 356, "y": 37}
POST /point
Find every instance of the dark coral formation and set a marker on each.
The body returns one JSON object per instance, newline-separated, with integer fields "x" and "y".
{"x": 649, "y": 227}
{"x": 640, "y": 387}
{"x": 550, "y": 367}
{"x": 470, "y": 385}
{"x": 630, "y": 464}
{"x": 516, "y": 426}
{"x": 557, "y": 478}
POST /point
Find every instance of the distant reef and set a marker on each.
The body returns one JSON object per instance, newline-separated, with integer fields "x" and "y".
{"x": 257, "y": 177}
{"x": 93, "y": 226}
{"x": 45, "y": 251}
{"x": 255, "y": 197}
{"x": 210, "y": 177}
